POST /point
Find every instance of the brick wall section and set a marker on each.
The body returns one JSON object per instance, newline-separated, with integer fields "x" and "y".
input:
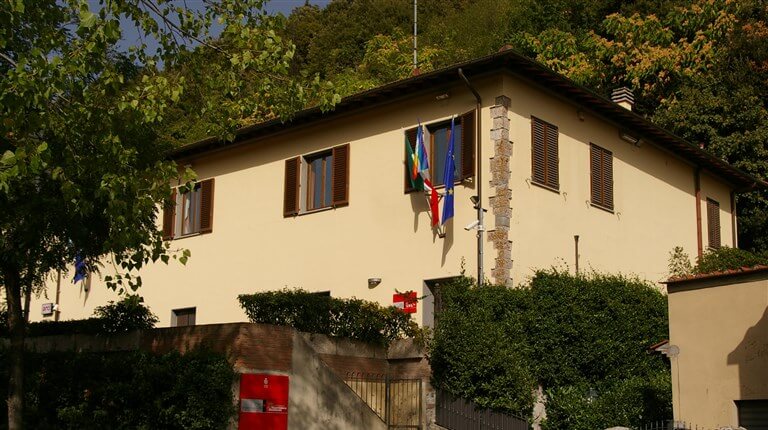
{"x": 247, "y": 346}
{"x": 500, "y": 201}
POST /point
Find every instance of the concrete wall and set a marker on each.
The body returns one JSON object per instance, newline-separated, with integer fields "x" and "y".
{"x": 721, "y": 329}
{"x": 318, "y": 398}
{"x": 385, "y": 233}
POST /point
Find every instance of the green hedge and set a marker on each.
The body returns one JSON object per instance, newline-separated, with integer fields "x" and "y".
{"x": 130, "y": 313}
{"x": 584, "y": 339}
{"x": 127, "y": 390}
{"x": 350, "y": 318}
{"x": 724, "y": 258}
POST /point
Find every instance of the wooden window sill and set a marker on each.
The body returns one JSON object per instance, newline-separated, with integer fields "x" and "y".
{"x": 313, "y": 211}
{"x": 601, "y": 207}
{"x": 186, "y": 236}
{"x": 546, "y": 187}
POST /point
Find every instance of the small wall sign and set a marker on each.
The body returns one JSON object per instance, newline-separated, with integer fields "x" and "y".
{"x": 405, "y": 301}
{"x": 47, "y": 309}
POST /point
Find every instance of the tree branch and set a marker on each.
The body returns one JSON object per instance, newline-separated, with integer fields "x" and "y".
{"x": 170, "y": 23}
{"x": 8, "y": 59}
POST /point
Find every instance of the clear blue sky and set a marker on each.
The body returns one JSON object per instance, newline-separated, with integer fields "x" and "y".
{"x": 131, "y": 37}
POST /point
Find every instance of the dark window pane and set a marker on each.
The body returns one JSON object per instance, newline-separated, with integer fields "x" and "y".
{"x": 317, "y": 189}
{"x": 318, "y": 181}
{"x": 327, "y": 181}
{"x": 440, "y": 145}
{"x": 440, "y": 142}
{"x": 457, "y": 151}
{"x": 196, "y": 198}
{"x": 190, "y": 211}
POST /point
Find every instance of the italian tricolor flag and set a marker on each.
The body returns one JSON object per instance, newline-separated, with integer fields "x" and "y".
{"x": 418, "y": 168}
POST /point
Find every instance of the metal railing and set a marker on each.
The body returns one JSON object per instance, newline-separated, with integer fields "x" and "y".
{"x": 680, "y": 425}
{"x": 459, "y": 414}
{"x": 396, "y": 401}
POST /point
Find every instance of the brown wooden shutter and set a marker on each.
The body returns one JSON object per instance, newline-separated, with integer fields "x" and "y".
{"x": 468, "y": 145}
{"x": 169, "y": 217}
{"x": 595, "y": 166}
{"x": 607, "y": 178}
{"x": 340, "y": 182}
{"x": 713, "y": 223}
{"x": 601, "y": 176}
{"x": 206, "y": 206}
{"x": 291, "y": 192}
{"x": 410, "y": 134}
{"x": 553, "y": 157}
{"x": 538, "y": 160}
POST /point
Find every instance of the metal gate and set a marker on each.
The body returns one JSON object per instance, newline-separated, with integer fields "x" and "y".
{"x": 396, "y": 401}
{"x": 459, "y": 414}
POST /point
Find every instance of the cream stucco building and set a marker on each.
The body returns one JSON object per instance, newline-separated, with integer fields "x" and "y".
{"x": 320, "y": 202}
{"x": 718, "y": 348}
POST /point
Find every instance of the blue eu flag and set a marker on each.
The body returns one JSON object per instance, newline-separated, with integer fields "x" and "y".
{"x": 449, "y": 176}
{"x": 80, "y": 272}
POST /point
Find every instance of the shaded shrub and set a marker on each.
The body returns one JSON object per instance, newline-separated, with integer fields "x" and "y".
{"x": 629, "y": 403}
{"x": 126, "y": 390}
{"x": 480, "y": 349}
{"x": 315, "y": 313}
{"x": 587, "y": 329}
{"x": 583, "y": 338}
{"x": 126, "y": 315}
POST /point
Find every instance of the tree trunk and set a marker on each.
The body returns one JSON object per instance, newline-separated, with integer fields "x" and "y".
{"x": 27, "y": 301}
{"x": 16, "y": 366}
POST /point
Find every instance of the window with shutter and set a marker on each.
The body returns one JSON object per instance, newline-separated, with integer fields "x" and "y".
{"x": 323, "y": 177}
{"x": 544, "y": 154}
{"x": 340, "y": 176}
{"x": 292, "y": 181}
{"x": 713, "y": 223}
{"x": 183, "y": 317}
{"x": 191, "y": 211}
{"x": 436, "y": 143}
{"x": 601, "y": 177}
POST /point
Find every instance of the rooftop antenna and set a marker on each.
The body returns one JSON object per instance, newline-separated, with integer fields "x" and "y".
{"x": 415, "y": 38}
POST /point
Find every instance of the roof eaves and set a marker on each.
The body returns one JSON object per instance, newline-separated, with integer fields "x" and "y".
{"x": 519, "y": 65}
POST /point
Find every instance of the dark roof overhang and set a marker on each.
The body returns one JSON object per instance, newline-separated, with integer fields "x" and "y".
{"x": 519, "y": 65}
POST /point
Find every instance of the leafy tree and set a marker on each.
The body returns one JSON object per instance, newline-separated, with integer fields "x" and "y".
{"x": 339, "y": 32}
{"x": 82, "y": 157}
{"x": 651, "y": 54}
{"x": 130, "y": 313}
{"x": 301, "y": 27}
{"x": 387, "y": 59}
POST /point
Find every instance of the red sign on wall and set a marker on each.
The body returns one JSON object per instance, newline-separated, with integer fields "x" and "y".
{"x": 405, "y": 301}
{"x": 263, "y": 402}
